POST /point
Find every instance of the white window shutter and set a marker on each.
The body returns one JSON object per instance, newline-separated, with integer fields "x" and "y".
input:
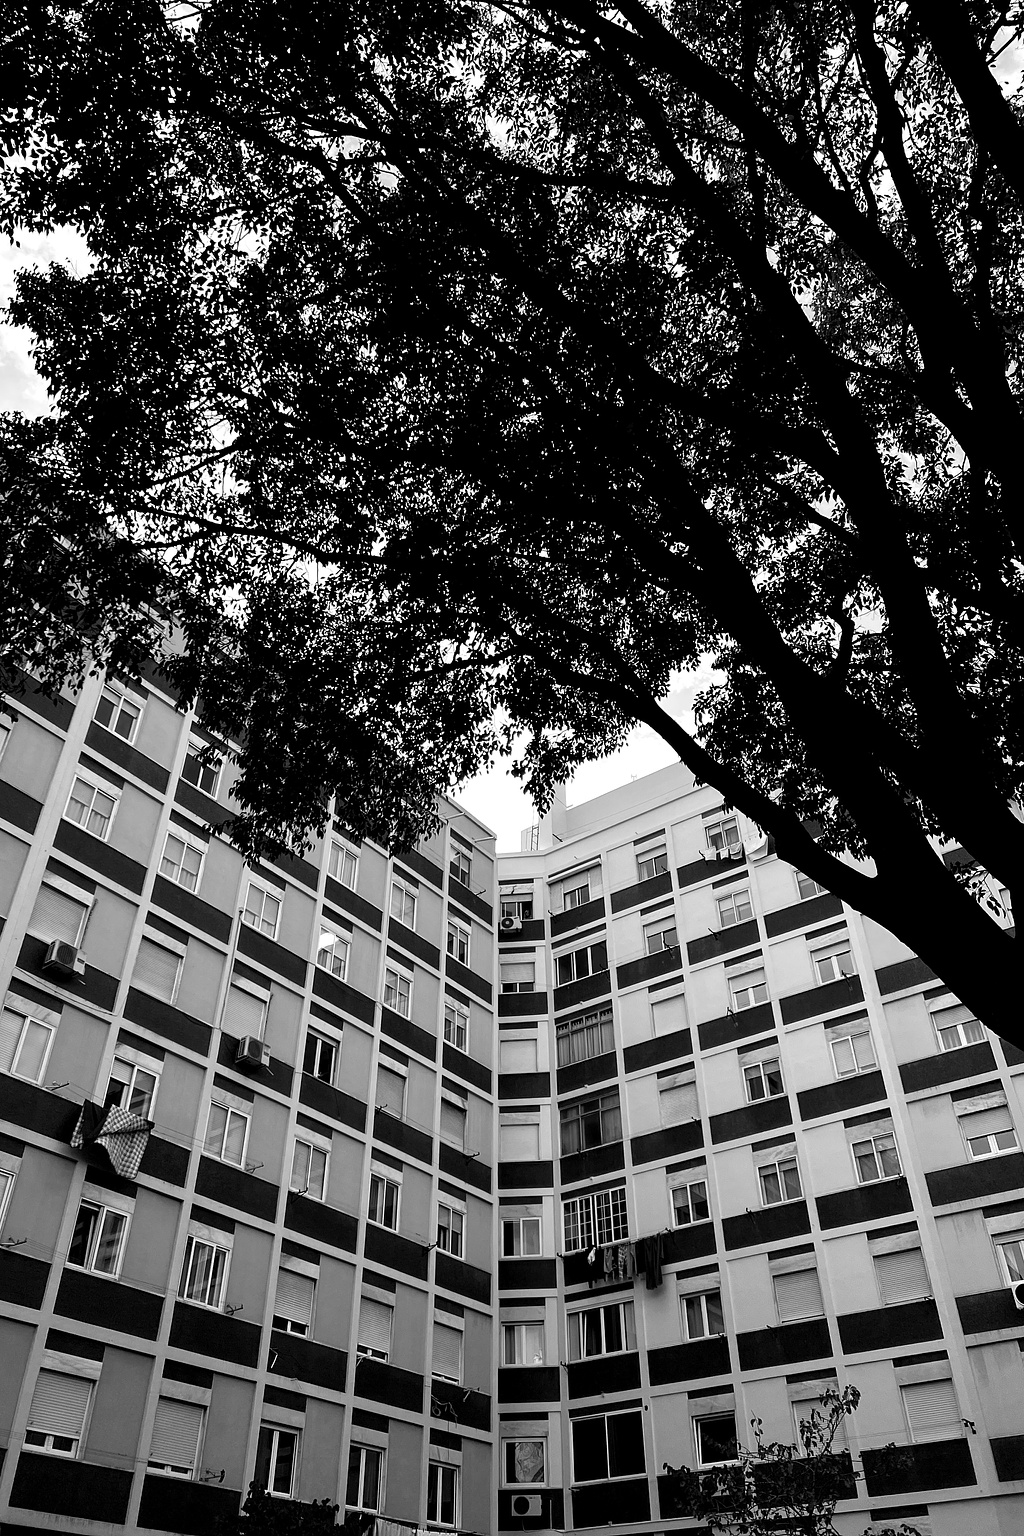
{"x": 176, "y": 1429}
{"x": 798, "y": 1294}
{"x": 678, "y": 1103}
{"x": 156, "y": 969}
{"x": 244, "y": 1013}
{"x": 447, "y": 1358}
{"x": 984, "y": 1122}
{"x": 59, "y": 1404}
{"x": 520, "y": 1143}
{"x": 902, "y": 1276}
{"x": 518, "y": 1055}
{"x": 375, "y": 1325}
{"x": 56, "y": 916}
{"x": 294, "y": 1297}
{"x": 453, "y": 1122}
{"x": 932, "y": 1410}
{"x": 517, "y": 970}
{"x": 11, "y": 1026}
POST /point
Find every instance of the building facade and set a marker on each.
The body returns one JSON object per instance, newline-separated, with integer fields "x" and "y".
{"x": 473, "y": 1193}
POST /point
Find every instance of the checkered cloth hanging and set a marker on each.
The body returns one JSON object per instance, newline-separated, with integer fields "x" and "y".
{"x": 123, "y": 1136}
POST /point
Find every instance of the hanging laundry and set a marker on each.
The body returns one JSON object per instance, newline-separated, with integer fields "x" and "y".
{"x": 608, "y": 1261}
{"x": 654, "y": 1253}
{"x": 123, "y": 1136}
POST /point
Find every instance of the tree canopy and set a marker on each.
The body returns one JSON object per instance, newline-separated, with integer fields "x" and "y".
{"x": 458, "y": 372}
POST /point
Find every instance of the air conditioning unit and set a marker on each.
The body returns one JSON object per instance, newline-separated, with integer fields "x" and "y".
{"x": 510, "y": 925}
{"x": 1017, "y": 1292}
{"x": 65, "y": 958}
{"x": 527, "y": 1504}
{"x": 251, "y": 1052}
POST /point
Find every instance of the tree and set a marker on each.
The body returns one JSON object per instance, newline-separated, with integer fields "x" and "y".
{"x": 777, "y": 1489}
{"x": 263, "y": 1514}
{"x": 456, "y": 372}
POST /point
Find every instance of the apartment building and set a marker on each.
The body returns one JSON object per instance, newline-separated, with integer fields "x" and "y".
{"x": 715, "y": 1074}
{"x": 246, "y": 1120}
{"x": 474, "y": 1193}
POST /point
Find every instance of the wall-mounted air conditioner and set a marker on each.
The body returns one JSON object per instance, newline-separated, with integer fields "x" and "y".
{"x": 251, "y": 1052}
{"x": 64, "y": 958}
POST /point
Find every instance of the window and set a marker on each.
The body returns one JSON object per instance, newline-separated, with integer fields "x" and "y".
{"x": 595, "y": 1219}
{"x": 397, "y": 991}
{"x": 852, "y": 1050}
{"x": 763, "y": 1079}
{"x": 457, "y": 942}
{"x": 320, "y": 1057}
{"x": 309, "y": 1170}
{"x": 522, "y": 1344}
{"x": 957, "y": 1026}
{"x": 703, "y": 1317}
{"x": 901, "y": 1276}
{"x": 690, "y": 1203}
{"x": 403, "y": 903}
{"x": 723, "y": 836}
{"x": 262, "y": 909}
{"x": 581, "y": 962}
{"x": 227, "y": 1131}
{"x": 202, "y": 767}
{"x": 456, "y": 1026}
{"x": 607, "y": 1446}
{"x": 460, "y": 865}
{"x": 715, "y": 1440}
{"x": 276, "y": 1457}
{"x": 797, "y": 1294}
{"x": 808, "y": 1416}
{"x": 1011, "y": 1254}
{"x": 519, "y": 1138}
{"x": 375, "y": 1320}
{"x": 607, "y": 1330}
{"x": 293, "y": 1303}
{"x": 575, "y": 896}
{"x": 25, "y": 1043}
{"x": 453, "y": 1120}
{"x": 332, "y": 951}
{"x": 523, "y": 1461}
{"x": 1005, "y": 899}
{"x": 57, "y": 1415}
{"x": 932, "y": 1411}
{"x": 390, "y": 1092}
{"x": 779, "y": 1181}
{"x": 516, "y": 906}
{"x": 517, "y": 975}
{"x": 204, "y": 1272}
{"x": 808, "y": 887}
{"x": 5, "y": 735}
{"x": 97, "y": 1242}
{"x": 117, "y": 712}
{"x": 174, "y": 1448}
{"x": 677, "y": 1098}
{"x": 383, "y": 1210}
{"x": 365, "y": 1477}
{"x": 987, "y": 1131}
{"x": 442, "y": 1493}
{"x": 653, "y": 861}
{"x": 590, "y": 1122}
{"x": 748, "y": 988}
{"x": 875, "y": 1157}
{"x": 342, "y": 865}
{"x": 245, "y": 1012}
{"x": 91, "y": 807}
{"x": 517, "y": 1055}
{"x": 581, "y": 1038}
{"x": 660, "y": 935}
{"x": 446, "y": 1358}
{"x": 7, "y": 1175}
{"x": 182, "y": 861}
{"x": 58, "y": 915}
{"x": 833, "y": 963}
{"x": 450, "y": 1224}
{"x": 158, "y": 969}
{"x": 734, "y": 907}
{"x": 133, "y": 1084}
{"x": 520, "y": 1237}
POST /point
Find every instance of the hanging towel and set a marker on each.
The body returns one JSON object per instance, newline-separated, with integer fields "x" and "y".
{"x": 608, "y": 1261}
{"x": 655, "y": 1248}
{"x": 123, "y": 1136}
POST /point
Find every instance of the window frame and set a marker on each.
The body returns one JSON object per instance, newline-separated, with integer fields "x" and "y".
{"x": 740, "y": 985}
{"x": 777, "y": 1166}
{"x": 703, "y": 1297}
{"x": 190, "y": 844}
{"x": 401, "y": 991}
{"x": 337, "y": 866}
{"x": 872, "y": 1141}
{"x": 340, "y": 948}
{"x": 594, "y": 1108}
{"x": 851, "y": 1037}
{"x": 993, "y": 1151}
{"x": 575, "y": 1329}
{"x": 729, "y": 845}
{"x": 102, "y": 1209}
{"x": 230, "y": 1106}
{"x": 728, "y": 902}
{"x": 319, "y": 1042}
{"x": 1010, "y": 1239}
{"x": 458, "y": 938}
{"x": 276, "y": 1433}
{"x": 598, "y": 1022}
{"x": 315, "y": 1148}
{"x": 72, "y": 893}
{"x": 607, "y": 1476}
{"x": 759, "y": 1069}
{"x": 685, "y": 1186}
{"x": 801, "y": 880}
{"x": 577, "y": 974}
{"x": 660, "y": 929}
{"x": 360, "y": 1449}
{"x": 517, "y": 986}
{"x": 698, "y": 1421}
{"x": 99, "y": 786}
{"x": 61, "y": 1367}
{"x": 406, "y": 898}
{"x": 460, "y": 865}
{"x": 209, "y": 788}
{"x": 508, "y": 1443}
{"x": 960, "y": 1025}
{"x": 389, "y": 1183}
{"x": 511, "y": 1222}
{"x": 455, "y": 1227}
{"x": 136, "y": 1063}
{"x": 576, "y": 896}
{"x": 517, "y": 1331}
{"x": 833, "y": 952}
{"x": 438, "y": 1472}
{"x": 658, "y": 852}
{"x": 268, "y": 892}
{"x": 455, "y": 1028}
{"x": 203, "y": 1238}
{"x": 589, "y": 1218}
{"x": 28, "y": 1019}
{"x": 120, "y": 696}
